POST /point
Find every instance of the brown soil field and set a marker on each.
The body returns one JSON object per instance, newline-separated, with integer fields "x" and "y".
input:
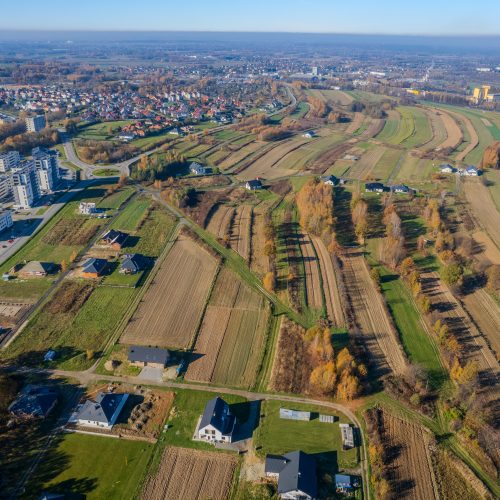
{"x": 259, "y": 263}
{"x": 330, "y": 287}
{"x": 486, "y": 313}
{"x": 290, "y": 374}
{"x": 333, "y": 96}
{"x": 488, "y": 250}
{"x": 474, "y": 140}
{"x": 327, "y": 158}
{"x": 373, "y": 320}
{"x": 474, "y": 346}
{"x": 355, "y": 123}
{"x": 311, "y": 270}
{"x": 439, "y": 134}
{"x": 170, "y": 311}
{"x": 241, "y": 231}
{"x": 267, "y": 165}
{"x": 239, "y": 155}
{"x": 191, "y": 475}
{"x": 453, "y": 132}
{"x": 374, "y": 128}
{"x": 410, "y": 465}
{"x": 220, "y": 221}
{"x": 231, "y": 338}
{"x": 483, "y": 208}
{"x": 363, "y": 167}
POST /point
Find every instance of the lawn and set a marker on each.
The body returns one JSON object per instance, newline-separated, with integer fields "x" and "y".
{"x": 277, "y": 436}
{"x": 102, "y": 131}
{"x": 95, "y": 467}
{"x": 417, "y": 343}
{"x": 106, "y": 172}
{"x": 187, "y": 408}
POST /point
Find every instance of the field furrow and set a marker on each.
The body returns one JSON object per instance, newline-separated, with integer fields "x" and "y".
{"x": 312, "y": 276}
{"x": 241, "y": 231}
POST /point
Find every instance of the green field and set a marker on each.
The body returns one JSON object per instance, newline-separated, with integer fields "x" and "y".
{"x": 300, "y": 111}
{"x": 93, "y": 467}
{"x": 493, "y": 177}
{"x": 417, "y": 343}
{"x": 422, "y": 132}
{"x": 102, "y": 131}
{"x": 386, "y": 164}
{"x": 72, "y": 334}
{"x": 131, "y": 216}
{"x": 390, "y": 129}
{"x": 276, "y": 435}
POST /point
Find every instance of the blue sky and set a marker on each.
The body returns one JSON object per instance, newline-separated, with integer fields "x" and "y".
{"x": 441, "y": 17}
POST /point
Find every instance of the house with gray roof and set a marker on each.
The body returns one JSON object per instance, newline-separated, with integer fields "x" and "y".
{"x": 296, "y": 474}
{"x": 35, "y": 268}
{"x": 217, "y": 422}
{"x": 34, "y": 401}
{"x": 103, "y": 412}
{"x": 132, "y": 264}
{"x": 156, "y": 357}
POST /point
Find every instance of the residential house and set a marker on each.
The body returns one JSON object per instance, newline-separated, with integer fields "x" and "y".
{"x": 94, "y": 268}
{"x": 197, "y": 169}
{"x": 296, "y": 473}
{"x": 103, "y": 412}
{"x": 132, "y": 264}
{"x": 330, "y": 180}
{"x": 347, "y": 434}
{"x": 374, "y": 187}
{"x": 34, "y": 401}
{"x": 400, "y": 188}
{"x": 217, "y": 422}
{"x": 345, "y": 483}
{"x": 308, "y": 135}
{"x": 148, "y": 356}
{"x": 253, "y": 185}
{"x": 471, "y": 171}
{"x": 446, "y": 168}
{"x": 114, "y": 239}
{"x": 36, "y": 269}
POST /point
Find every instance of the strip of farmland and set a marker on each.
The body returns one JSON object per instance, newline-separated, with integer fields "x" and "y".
{"x": 170, "y": 312}
{"x": 220, "y": 221}
{"x": 373, "y": 321}
{"x": 330, "y": 287}
{"x": 191, "y": 474}
{"x": 240, "y": 232}
{"x": 229, "y": 346}
{"x": 311, "y": 270}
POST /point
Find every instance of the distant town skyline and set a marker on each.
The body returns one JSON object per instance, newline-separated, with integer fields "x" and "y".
{"x": 427, "y": 17}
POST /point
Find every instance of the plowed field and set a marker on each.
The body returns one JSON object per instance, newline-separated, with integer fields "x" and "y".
{"x": 170, "y": 311}
{"x": 220, "y": 220}
{"x": 240, "y": 232}
{"x": 311, "y": 269}
{"x": 229, "y": 346}
{"x": 373, "y": 321}
{"x": 410, "y": 466}
{"x": 191, "y": 475}
{"x": 332, "y": 296}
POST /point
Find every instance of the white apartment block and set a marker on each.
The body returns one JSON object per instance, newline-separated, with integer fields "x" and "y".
{"x": 24, "y": 181}
{"x": 5, "y": 220}
{"x": 47, "y": 169}
{"x": 9, "y": 160}
{"x": 5, "y": 187}
{"x": 35, "y": 123}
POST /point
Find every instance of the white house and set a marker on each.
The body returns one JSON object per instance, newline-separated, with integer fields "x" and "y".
{"x": 253, "y": 185}
{"x": 308, "y": 135}
{"x": 471, "y": 171}
{"x": 446, "y": 168}
{"x": 217, "y": 422}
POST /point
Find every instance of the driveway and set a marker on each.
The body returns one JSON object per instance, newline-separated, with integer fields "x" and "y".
{"x": 151, "y": 374}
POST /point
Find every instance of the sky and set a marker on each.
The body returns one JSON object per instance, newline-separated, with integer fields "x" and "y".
{"x": 423, "y": 17}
